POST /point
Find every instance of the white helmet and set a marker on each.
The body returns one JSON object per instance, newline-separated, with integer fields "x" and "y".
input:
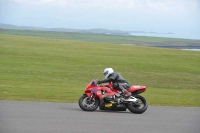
{"x": 107, "y": 72}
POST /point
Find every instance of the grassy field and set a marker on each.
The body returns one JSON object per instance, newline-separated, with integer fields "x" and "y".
{"x": 44, "y": 69}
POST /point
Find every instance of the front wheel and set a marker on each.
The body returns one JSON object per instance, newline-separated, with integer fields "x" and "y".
{"x": 138, "y": 107}
{"x": 88, "y": 105}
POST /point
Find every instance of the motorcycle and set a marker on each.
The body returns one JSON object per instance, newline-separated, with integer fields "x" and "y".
{"x": 94, "y": 97}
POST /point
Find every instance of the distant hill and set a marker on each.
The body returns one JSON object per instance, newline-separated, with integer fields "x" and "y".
{"x": 105, "y": 38}
{"x": 88, "y": 31}
{"x": 100, "y": 35}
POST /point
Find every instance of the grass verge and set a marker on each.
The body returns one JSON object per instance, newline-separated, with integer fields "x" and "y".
{"x": 41, "y": 69}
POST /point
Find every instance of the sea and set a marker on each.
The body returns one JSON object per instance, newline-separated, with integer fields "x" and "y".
{"x": 193, "y": 36}
{"x": 191, "y": 48}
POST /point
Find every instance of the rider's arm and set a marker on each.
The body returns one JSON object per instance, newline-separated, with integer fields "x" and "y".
{"x": 105, "y": 80}
{"x": 111, "y": 78}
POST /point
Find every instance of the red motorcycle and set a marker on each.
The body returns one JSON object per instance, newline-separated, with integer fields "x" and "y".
{"x": 94, "y": 97}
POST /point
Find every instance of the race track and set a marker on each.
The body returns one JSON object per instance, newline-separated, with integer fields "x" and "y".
{"x": 47, "y": 117}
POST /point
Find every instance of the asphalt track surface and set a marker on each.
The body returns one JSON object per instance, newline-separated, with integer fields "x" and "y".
{"x": 47, "y": 117}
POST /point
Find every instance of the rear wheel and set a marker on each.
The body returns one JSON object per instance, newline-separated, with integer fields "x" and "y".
{"x": 138, "y": 107}
{"x": 88, "y": 105}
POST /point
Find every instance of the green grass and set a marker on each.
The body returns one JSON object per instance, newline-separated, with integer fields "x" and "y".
{"x": 43, "y": 69}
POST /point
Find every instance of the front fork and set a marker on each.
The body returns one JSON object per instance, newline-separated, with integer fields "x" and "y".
{"x": 91, "y": 96}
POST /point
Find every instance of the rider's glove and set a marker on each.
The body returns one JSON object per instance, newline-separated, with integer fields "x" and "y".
{"x": 98, "y": 82}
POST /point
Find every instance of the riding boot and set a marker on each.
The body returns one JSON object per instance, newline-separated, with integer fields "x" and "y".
{"x": 126, "y": 93}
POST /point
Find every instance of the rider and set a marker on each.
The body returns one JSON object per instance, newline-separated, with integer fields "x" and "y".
{"x": 117, "y": 80}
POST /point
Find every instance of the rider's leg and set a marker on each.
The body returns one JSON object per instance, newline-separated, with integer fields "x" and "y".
{"x": 124, "y": 91}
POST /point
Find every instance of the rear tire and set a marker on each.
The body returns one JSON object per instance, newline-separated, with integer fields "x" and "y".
{"x": 87, "y": 105}
{"x": 139, "y": 108}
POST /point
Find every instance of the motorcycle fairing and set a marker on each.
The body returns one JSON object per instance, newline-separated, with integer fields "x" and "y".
{"x": 137, "y": 88}
{"x": 96, "y": 91}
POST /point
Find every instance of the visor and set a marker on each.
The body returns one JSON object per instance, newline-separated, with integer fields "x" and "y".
{"x": 105, "y": 73}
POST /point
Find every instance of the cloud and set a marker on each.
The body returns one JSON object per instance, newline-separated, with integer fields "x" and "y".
{"x": 149, "y": 6}
{"x": 116, "y": 14}
{"x": 20, "y": 1}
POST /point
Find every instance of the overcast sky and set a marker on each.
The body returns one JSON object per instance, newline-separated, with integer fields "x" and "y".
{"x": 129, "y": 15}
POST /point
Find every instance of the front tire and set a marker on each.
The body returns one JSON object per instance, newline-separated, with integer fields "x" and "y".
{"x": 139, "y": 107}
{"x": 88, "y": 105}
